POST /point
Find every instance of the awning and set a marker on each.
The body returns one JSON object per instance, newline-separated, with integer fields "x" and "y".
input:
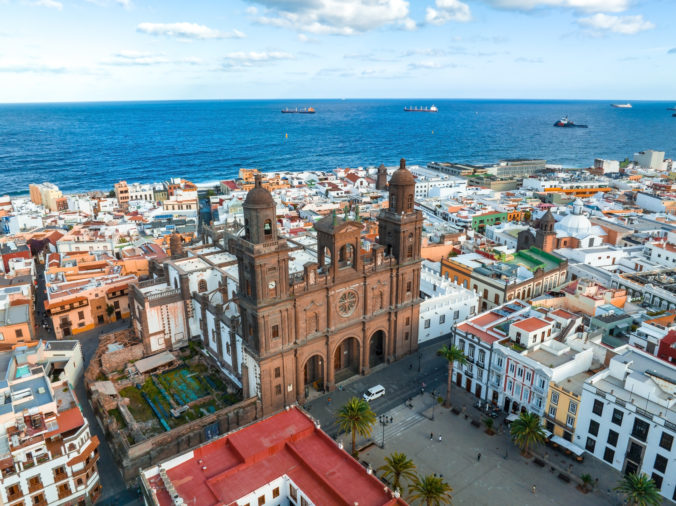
{"x": 547, "y": 433}
{"x": 567, "y": 445}
{"x": 512, "y": 416}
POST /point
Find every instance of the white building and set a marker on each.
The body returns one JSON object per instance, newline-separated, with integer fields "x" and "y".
{"x": 663, "y": 252}
{"x": 47, "y": 453}
{"x": 432, "y": 183}
{"x": 608, "y": 166}
{"x": 138, "y": 191}
{"x": 628, "y": 418}
{"x": 444, "y": 304}
{"x": 650, "y": 159}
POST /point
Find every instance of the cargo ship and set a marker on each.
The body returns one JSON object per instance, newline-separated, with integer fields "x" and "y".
{"x": 302, "y": 110}
{"x": 566, "y": 123}
{"x": 421, "y": 109}
{"x": 621, "y": 106}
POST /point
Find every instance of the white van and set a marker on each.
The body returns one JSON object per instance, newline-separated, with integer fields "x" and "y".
{"x": 374, "y": 392}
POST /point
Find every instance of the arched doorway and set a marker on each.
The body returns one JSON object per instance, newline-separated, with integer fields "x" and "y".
{"x": 346, "y": 359}
{"x": 377, "y": 348}
{"x": 313, "y": 374}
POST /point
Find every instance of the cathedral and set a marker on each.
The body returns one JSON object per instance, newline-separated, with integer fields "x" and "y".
{"x": 342, "y": 315}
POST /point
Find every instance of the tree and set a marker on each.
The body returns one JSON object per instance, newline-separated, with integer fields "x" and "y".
{"x": 489, "y": 422}
{"x": 356, "y": 417}
{"x": 431, "y": 490}
{"x": 639, "y": 490}
{"x": 452, "y": 354}
{"x": 527, "y": 431}
{"x": 587, "y": 481}
{"x": 396, "y": 467}
{"x": 110, "y": 309}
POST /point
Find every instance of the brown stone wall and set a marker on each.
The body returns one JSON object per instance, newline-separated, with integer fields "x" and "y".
{"x": 115, "y": 360}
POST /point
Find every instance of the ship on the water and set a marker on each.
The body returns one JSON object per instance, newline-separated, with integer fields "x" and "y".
{"x": 566, "y": 123}
{"x": 302, "y": 110}
{"x": 621, "y": 106}
{"x": 421, "y": 109}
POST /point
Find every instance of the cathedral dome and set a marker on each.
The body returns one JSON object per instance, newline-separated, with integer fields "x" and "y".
{"x": 259, "y": 196}
{"x": 574, "y": 225}
{"x": 402, "y": 176}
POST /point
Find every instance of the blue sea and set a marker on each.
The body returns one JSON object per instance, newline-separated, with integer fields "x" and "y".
{"x": 88, "y": 146}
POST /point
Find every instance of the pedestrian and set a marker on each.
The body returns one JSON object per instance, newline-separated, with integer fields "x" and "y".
{"x": 329, "y": 401}
{"x": 440, "y": 438}
{"x": 478, "y": 457}
{"x": 410, "y": 366}
{"x": 431, "y": 436}
{"x": 533, "y": 489}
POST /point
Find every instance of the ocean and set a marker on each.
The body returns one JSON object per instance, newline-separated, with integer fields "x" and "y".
{"x": 90, "y": 146}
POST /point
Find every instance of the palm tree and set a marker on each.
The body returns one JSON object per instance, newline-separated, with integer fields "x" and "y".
{"x": 452, "y": 354}
{"x": 587, "y": 481}
{"x": 527, "y": 431}
{"x": 396, "y": 467}
{"x": 356, "y": 417}
{"x": 489, "y": 422}
{"x": 639, "y": 490}
{"x": 431, "y": 490}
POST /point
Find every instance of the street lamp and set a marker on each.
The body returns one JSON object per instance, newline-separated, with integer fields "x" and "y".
{"x": 384, "y": 420}
{"x": 434, "y": 402}
{"x": 419, "y": 358}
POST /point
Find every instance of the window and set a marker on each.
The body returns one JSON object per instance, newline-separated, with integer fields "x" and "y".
{"x": 406, "y": 336}
{"x": 541, "y": 383}
{"x": 660, "y": 463}
{"x": 511, "y": 368}
{"x": 572, "y": 407}
{"x": 278, "y": 389}
{"x": 456, "y": 315}
{"x": 19, "y": 333}
{"x": 275, "y": 331}
{"x": 13, "y": 491}
{"x": 609, "y": 455}
{"x": 80, "y": 315}
{"x": 617, "y": 417}
{"x": 593, "y": 427}
{"x": 303, "y": 501}
{"x": 597, "y": 409}
{"x": 612, "y": 437}
{"x": 528, "y": 376}
{"x": 427, "y": 324}
{"x": 267, "y": 230}
{"x": 278, "y": 372}
{"x": 570, "y": 421}
{"x": 658, "y": 481}
{"x": 591, "y": 444}
{"x": 408, "y": 287}
{"x": 408, "y": 320}
{"x": 275, "y": 492}
{"x": 261, "y": 499}
{"x": 666, "y": 441}
{"x": 293, "y": 493}
{"x": 519, "y": 372}
{"x": 202, "y": 286}
{"x": 442, "y": 319}
{"x": 640, "y": 430}
{"x": 555, "y": 398}
{"x": 59, "y": 473}
{"x": 39, "y": 499}
{"x": 482, "y": 356}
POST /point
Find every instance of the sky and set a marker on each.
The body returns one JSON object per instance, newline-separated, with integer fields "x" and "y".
{"x": 100, "y": 50}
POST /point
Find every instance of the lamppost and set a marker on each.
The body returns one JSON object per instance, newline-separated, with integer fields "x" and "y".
{"x": 419, "y": 359}
{"x": 434, "y": 402}
{"x": 384, "y": 420}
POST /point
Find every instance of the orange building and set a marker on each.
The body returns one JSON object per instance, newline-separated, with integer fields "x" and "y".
{"x": 455, "y": 271}
{"x": 578, "y": 192}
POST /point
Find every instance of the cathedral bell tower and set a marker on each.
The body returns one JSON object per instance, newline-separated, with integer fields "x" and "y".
{"x": 545, "y": 236}
{"x": 400, "y": 225}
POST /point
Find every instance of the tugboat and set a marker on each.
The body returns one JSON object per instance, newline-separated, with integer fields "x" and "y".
{"x": 621, "y": 106}
{"x": 566, "y": 123}
{"x": 421, "y": 109}
{"x": 303, "y": 110}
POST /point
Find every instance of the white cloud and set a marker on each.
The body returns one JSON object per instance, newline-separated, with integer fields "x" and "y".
{"x": 625, "y": 25}
{"x": 582, "y": 5}
{"x": 338, "y": 17}
{"x": 246, "y": 59}
{"x": 448, "y": 10}
{"x": 52, "y": 4}
{"x": 187, "y": 31}
{"x": 426, "y": 65}
{"x": 134, "y": 58}
{"x": 38, "y": 68}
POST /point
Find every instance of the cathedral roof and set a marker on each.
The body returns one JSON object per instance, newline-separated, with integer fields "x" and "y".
{"x": 548, "y": 217}
{"x": 402, "y": 176}
{"x": 259, "y": 196}
{"x": 332, "y": 224}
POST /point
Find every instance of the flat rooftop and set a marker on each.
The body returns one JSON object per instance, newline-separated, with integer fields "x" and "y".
{"x": 285, "y": 444}
{"x": 549, "y": 359}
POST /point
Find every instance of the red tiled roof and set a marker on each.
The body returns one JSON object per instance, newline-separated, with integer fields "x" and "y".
{"x": 531, "y": 324}
{"x": 484, "y": 336}
{"x": 561, "y": 313}
{"x": 67, "y": 420}
{"x": 288, "y": 443}
{"x": 485, "y": 319}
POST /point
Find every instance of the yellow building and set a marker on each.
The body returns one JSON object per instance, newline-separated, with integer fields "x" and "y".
{"x": 45, "y": 194}
{"x": 563, "y": 405}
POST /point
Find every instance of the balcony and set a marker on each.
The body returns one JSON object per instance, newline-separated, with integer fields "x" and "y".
{"x": 34, "y": 485}
{"x": 496, "y": 367}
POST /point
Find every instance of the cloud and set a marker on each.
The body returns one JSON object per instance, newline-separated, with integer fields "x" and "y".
{"x": 625, "y": 25}
{"x": 337, "y": 17}
{"x": 425, "y": 52}
{"x": 448, "y": 10}
{"x": 523, "y": 59}
{"x": 249, "y": 59}
{"x": 427, "y": 65}
{"x": 186, "y": 31}
{"x": 38, "y": 68}
{"x": 134, "y": 58}
{"x": 371, "y": 57}
{"x": 104, "y": 3}
{"x": 672, "y": 51}
{"x": 581, "y": 5}
{"x": 51, "y": 4}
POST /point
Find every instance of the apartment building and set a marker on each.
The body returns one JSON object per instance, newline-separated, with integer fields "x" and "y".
{"x": 45, "y": 195}
{"x": 47, "y": 453}
{"x": 628, "y": 417}
{"x": 16, "y": 320}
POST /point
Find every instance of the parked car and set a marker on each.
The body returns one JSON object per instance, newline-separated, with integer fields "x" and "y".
{"x": 374, "y": 392}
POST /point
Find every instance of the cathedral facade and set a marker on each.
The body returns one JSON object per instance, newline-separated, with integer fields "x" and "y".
{"x": 342, "y": 315}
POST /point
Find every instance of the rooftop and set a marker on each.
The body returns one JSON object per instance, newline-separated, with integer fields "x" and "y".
{"x": 285, "y": 444}
{"x": 531, "y": 324}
